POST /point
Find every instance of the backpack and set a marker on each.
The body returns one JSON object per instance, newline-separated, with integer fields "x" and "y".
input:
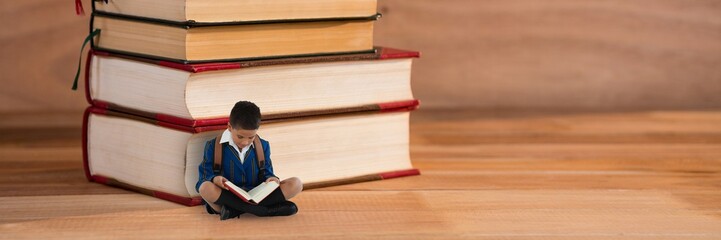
{"x": 218, "y": 157}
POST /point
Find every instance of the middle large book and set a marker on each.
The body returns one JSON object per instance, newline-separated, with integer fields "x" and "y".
{"x": 203, "y": 94}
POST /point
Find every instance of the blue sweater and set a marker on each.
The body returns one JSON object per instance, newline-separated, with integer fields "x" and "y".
{"x": 243, "y": 175}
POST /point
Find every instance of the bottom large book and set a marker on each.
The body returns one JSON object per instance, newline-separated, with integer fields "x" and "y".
{"x": 161, "y": 159}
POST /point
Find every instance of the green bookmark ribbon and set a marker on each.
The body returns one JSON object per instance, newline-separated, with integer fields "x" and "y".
{"x": 87, "y": 39}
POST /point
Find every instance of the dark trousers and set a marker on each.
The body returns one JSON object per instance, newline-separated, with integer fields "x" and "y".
{"x": 274, "y": 198}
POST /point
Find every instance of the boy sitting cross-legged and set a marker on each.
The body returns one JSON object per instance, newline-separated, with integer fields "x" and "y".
{"x": 245, "y": 172}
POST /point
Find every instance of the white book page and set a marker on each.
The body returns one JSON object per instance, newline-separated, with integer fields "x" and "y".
{"x": 263, "y": 190}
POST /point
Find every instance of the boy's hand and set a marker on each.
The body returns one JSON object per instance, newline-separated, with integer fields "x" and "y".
{"x": 274, "y": 179}
{"x": 218, "y": 181}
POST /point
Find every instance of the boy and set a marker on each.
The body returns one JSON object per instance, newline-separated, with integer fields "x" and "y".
{"x": 244, "y": 172}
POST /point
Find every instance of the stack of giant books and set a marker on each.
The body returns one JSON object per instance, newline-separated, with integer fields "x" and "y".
{"x": 162, "y": 77}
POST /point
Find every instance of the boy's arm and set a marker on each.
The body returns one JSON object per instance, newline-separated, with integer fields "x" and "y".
{"x": 205, "y": 169}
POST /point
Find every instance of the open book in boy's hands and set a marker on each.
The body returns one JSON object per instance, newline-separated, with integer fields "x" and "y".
{"x": 255, "y": 195}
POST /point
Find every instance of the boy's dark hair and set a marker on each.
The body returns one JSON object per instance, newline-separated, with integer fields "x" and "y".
{"x": 245, "y": 115}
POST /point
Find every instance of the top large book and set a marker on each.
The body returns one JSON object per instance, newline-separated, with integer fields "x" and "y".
{"x": 214, "y": 11}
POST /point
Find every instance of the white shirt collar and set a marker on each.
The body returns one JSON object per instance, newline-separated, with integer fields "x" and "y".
{"x": 226, "y": 138}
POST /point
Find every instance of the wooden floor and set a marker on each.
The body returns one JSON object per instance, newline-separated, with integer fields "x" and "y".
{"x": 632, "y": 175}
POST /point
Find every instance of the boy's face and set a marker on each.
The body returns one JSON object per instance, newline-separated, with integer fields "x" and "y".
{"x": 242, "y": 137}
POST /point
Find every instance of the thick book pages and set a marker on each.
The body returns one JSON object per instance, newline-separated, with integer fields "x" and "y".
{"x": 196, "y": 94}
{"x": 183, "y": 43}
{"x": 255, "y": 195}
{"x": 214, "y": 11}
{"x": 165, "y": 156}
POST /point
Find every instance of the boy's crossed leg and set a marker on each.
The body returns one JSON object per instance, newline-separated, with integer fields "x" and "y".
{"x": 219, "y": 200}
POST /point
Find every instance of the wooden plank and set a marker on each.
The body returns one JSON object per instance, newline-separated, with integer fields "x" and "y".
{"x": 22, "y": 209}
{"x": 677, "y": 157}
{"x": 425, "y": 214}
{"x": 534, "y": 179}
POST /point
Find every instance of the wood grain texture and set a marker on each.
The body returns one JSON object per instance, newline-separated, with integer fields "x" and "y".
{"x": 641, "y": 54}
{"x": 518, "y": 54}
{"x": 511, "y": 175}
{"x": 39, "y": 50}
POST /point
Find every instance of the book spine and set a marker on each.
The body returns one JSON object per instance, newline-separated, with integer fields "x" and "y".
{"x": 364, "y": 178}
{"x": 187, "y": 201}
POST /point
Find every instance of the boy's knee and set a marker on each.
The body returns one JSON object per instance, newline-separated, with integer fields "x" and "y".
{"x": 296, "y": 184}
{"x": 208, "y": 188}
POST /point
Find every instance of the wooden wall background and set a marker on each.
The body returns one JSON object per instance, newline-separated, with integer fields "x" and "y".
{"x": 497, "y": 54}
